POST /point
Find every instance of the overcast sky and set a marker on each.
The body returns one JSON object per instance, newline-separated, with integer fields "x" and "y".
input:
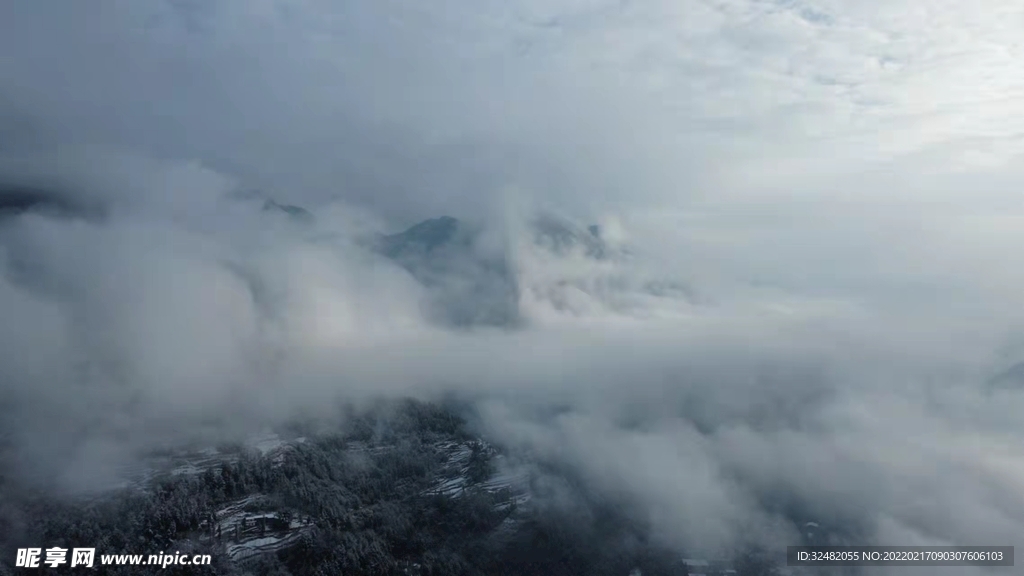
{"x": 842, "y": 178}
{"x": 878, "y": 134}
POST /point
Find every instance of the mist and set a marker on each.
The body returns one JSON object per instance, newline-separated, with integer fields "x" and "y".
{"x": 826, "y": 194}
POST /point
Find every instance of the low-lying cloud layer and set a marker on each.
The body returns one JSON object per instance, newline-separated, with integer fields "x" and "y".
{"x": 814, "y": 211}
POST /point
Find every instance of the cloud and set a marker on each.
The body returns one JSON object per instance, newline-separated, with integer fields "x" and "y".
{"x": 834, "y": 183}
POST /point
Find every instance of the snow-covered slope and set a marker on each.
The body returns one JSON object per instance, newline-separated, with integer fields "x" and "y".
{"x": 255, "y": 525}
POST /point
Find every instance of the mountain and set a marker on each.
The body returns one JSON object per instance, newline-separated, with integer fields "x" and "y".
{"x": 569, "y": 267}
{"x": 1010, "y": 379}
{"x": 467, "y": 284}
{"x": 297, "y": 212}
{"x": 16, "y": 200}
{"x": 401, "y": 489}
{"x": 402, "y": 486}
{"x": 562, "y": 237}
{"x": 425, "y": 237}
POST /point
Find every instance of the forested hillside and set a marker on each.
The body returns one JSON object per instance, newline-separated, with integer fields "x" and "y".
{"x": 397, "y": 490}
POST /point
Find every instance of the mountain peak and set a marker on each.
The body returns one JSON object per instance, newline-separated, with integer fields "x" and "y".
{"x": 467, "y": 287}
{"x": 563, "y": 236}
{"x": 16, "y": 200}
{"x": 425, "y": 236}
{"x": 297, "y": 212}
{"x": 440, "y": 229}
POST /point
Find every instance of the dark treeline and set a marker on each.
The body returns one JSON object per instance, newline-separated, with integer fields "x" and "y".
{"x": 374, "y": 514}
